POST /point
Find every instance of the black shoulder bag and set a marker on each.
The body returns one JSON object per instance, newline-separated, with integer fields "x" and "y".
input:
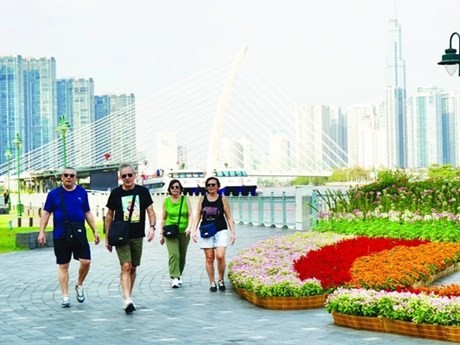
{"x": 173, "y": 229}
{"x": 119, "y": 229}
{"x": 75, "y": 232}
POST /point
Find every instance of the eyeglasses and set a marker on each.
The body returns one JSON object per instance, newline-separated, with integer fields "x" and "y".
{"x": 211, "y": 185}
{"x": 69, "y": 175}
{"x": 127, "y": 175}
{"x": 175, "y": 187}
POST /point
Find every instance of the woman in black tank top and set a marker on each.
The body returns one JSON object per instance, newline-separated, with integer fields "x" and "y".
{"x": 214, "y": 208}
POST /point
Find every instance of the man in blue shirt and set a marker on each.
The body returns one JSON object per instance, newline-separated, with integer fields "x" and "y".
{"x": 75, "y": 200}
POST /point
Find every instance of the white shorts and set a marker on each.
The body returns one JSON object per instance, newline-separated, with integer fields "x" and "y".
{"x": 220, "y": 239}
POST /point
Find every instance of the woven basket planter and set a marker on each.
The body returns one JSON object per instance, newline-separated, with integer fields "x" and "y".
{"x": 283, "y": 303}
{"x": 446, "y": 333}
{"x": 359, "y": 322}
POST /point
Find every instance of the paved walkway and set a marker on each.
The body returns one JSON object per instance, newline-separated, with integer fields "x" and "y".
{"x": 30, "y": 312}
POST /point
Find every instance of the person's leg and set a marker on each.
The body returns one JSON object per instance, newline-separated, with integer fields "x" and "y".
{"x": 126, "y": 280}
{"x": 63, "y": 255}
{"x": 221, "y": 246}
{"x": 183, "y": 245}
{"x": 63, "y": 277}
{"x": 124, "y": 256}
{"x": 136, "y": 255}
{"x": 132, "y": 278}
{"x": 221, "y": 263}
{"x": 173, "y": 253}
{"x": 209, "y": 256}
{"x": 83, "y": 254}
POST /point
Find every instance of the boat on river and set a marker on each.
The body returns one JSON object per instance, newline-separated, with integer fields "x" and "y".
{"x": 232, "y": 181}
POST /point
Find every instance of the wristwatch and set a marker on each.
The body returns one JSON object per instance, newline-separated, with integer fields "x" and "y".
{"x": 153, "y": 226}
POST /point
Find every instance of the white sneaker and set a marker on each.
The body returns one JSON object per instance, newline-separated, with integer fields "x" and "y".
{"x": 175, "y": 283}
{"x": 80, "y": 293}
{"x": 65, "y": 303}
{"x": 180, "y": 281}
{"x": 129, "y": 306}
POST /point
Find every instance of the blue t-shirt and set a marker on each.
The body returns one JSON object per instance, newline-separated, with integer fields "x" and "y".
{"x": 76, "y": 203}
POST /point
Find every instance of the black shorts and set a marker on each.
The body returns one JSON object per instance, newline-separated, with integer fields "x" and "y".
{"x": 63, "y": 251}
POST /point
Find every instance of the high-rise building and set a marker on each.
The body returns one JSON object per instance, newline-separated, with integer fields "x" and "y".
{"x": 119, "y": 132}
{"x": 101, "y": 106}
{"x": 75, "y": 100}
{"x": 40, "y": 102}
{"x": 316, "y": 149}
{"x": 395, "y": 100}
{"x": 27, "y": 101}
{"x": 363, "y": 130}
{"x": 450, "y": 110}
{"x": 11, "y": 101}
{"x": 424, "y": 128}
{"x": 279, "y": 152}
{"x": 337, "y": 130}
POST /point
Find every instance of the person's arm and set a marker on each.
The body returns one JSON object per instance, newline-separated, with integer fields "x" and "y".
{"x": 197, "y": 221}
{"x": 229, "y": 219}
{"x": 108, "y": 221}
{"x": 43, "y": 223}
{"x": 92, "y": 224}
{"x": 153, "y": 222}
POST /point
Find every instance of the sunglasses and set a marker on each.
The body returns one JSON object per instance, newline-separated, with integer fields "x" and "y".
{"x": 175, "y": 187}
{"x": 211, "y": 185}
{"x": 69, "y": 175}
{"x": 127, "y": 175}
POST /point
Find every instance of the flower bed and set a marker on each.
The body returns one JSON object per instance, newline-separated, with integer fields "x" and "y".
{"x": 273, "y": 269}
{"x": 331, "y": 264}
{"x": 402, "y": 306}
{"x": 266, "y": 269}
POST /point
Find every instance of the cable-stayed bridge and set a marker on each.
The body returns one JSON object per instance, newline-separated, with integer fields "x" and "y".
{"x": 229, "y": 115}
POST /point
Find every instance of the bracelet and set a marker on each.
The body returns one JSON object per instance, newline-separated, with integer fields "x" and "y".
{"x": 153, "y": 226}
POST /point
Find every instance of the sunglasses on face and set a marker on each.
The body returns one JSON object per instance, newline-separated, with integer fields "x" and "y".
{"x": 175, "y": 187}
{"x": 69, "y": 175}
{"x": 211, "y": 185}
{"x": 127, "y": 175}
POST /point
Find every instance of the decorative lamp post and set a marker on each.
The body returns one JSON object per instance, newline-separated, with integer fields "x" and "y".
{"x": 8, "y": 156}
{"x": 62, "y": 128}
{"x": 18, "y": 143}
{"x": 451, "y": 59}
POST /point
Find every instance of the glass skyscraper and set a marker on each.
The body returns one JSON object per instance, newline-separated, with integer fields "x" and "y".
{"x": 395, "y": 100}
{"x": 27, "y": 102}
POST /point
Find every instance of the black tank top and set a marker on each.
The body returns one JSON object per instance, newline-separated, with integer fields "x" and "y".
{"x": 213, "y": 212}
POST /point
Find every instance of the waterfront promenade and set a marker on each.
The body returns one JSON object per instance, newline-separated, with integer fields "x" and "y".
{"x": 30, "y": 312}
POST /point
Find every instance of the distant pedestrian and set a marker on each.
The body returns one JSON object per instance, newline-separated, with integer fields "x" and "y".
{"x": 214, "y": 208}
{"x": 6, "y": 197}
{"x": 177, "y": 210}
{"x": 119, "y": 203}
{"x": 75, "y": 199}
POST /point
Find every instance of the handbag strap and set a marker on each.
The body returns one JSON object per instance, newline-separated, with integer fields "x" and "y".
{"x": 64, "y": 208}
{"x": 180, "y": 210}
{"x": 131, "y": 208}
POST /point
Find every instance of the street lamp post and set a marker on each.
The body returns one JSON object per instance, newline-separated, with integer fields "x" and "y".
{"x": 8, "y": 156}
{"x": 18, "y": 143}
{"x": 62, "y": 128}
{"x": 451, "y": 59}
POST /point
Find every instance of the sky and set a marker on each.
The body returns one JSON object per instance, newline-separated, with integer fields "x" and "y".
{"x": 330, "y": 52}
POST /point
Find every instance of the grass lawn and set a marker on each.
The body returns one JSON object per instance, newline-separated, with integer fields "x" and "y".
{"x": 8, "y": 237}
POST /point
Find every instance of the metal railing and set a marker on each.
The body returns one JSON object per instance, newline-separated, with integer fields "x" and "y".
{"x": 271, "y": 210}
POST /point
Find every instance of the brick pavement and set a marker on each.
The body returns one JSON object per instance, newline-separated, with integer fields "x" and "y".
{"x": 30, "y": 312}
